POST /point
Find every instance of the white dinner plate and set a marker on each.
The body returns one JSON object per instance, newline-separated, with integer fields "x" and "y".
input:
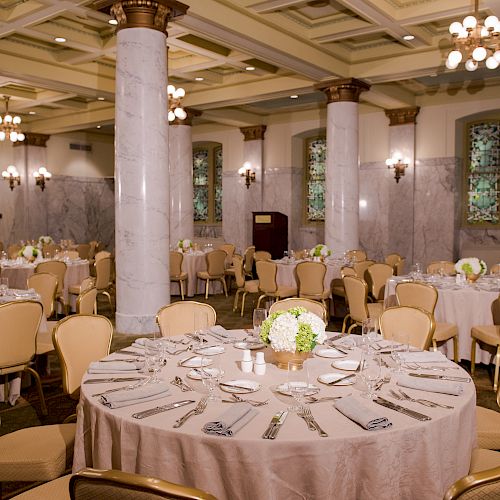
{"x": 328, "y": 378}
{"x": 239, "y": 386}
{"x": 249, "y": 345}
{"x": 329, "y": 353}
{"x": 195, "y": 362}
{"x": 196, "y": 375}
{"x": 210, "y": 351}
{"x": 349, "y": 365}
{"x": 283, "y": 389}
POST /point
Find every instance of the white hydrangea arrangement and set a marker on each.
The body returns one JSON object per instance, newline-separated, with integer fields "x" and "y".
{"x": 29, "y": 252}
{"x": 471, "y": 265}
{"x": 184, "y": 245}
{"x": 320, "y": 251}
{"x": 45, "y": 240}
{"x": 294, "y": 330}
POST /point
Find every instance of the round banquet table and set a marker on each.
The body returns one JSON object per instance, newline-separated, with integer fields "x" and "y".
{"x": 410, "y": 460}
{"x": 465, "y": 306}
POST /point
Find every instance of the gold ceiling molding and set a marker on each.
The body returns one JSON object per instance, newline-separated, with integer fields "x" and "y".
{"x": 253, "y": 133}
{"x": 32, "y": 139}
{"x": 402, "y": 116}
{"x": 191, "y": 113}
{"x": 343, "y": 89}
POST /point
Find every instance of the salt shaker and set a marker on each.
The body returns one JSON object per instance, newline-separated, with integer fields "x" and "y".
{"x": 247, "y": 362}
{"x": 260, "y": 364}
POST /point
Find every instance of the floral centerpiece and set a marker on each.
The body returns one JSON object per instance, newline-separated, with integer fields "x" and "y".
{"x": 319, "y": 252}
{"x": 184, "y": 245}
{"x": 45, "y": 240}
{"x": 29, "y": 252}
{"x": 294, "y": 333}
{"x": 472, "y": 267}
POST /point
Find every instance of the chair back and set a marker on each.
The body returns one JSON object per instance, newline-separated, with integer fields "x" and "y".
{"x": 93, "y": 246}
{"x": 262, "y": 255}
{"x": 311, "y": 305}
{"x": 55, "y": 267}
{"x": 229, "y": 248}
{"x": 416, "y": 323}
{"x": 347, "y": 271}
{"x": 378, "y": 275}
{"x": 495, "y": 311}
{"x": 356, "y": 291}
{"x": 185, "y": 316}
{"x": 239, "y": 275}
{"x": 13, "y": 251}
{"x": 356, "y": 255}
{"x": 216, "y": 262}
{"x": 79, "y": 340}
{"x": 417, "y": 294}
{"x": 118, "y": 485}
{"x": 446, "y": 266}
{"x": 88, "y": 282}
{"x": 83, "y": 250}
{"x": 19, "y": 323}
{"x": 102, "y": 255}
{"x": 248, "y": 256}
{"x": 266, "y": 272}
{"x": 481, "y": 485}
{"x": 49, "y": 251}
{"x": 392, "y": 259}
{"x": 361, "y": 267}
{"x": 176, "y": 259}
{"x": 68, "y": 254}
{"x": 495, "y": 269}
{"x": 102, "y": 273}
{"x": 85, "y": 302}
{"x": 399, "y": 268}
{"x": 45, "y": 284}
{"x": 310, "y": 277}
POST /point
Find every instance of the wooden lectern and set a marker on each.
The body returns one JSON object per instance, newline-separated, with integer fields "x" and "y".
{"x": 270, "y": 232}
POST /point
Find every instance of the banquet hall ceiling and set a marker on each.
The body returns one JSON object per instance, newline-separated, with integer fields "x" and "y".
{"x": 292, "y": 44}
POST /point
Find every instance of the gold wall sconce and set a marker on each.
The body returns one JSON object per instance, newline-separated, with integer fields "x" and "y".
{"x": 247, "y": 172}
{"x": 12, "y": 176}
{"x": 398, "y": 165}
{"x": 42, "y": 175}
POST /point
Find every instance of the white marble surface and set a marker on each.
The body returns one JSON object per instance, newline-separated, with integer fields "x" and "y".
{"x": 180, "y": 155}
{"x": 234, "y": 217}
{"x": 142, "y": 181}
{"x": 253, "y": 152}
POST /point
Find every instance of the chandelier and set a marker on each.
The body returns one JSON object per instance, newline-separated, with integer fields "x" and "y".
{"x": 175, "y": 109}
{"x": 475, "y": 41}
{"x": 9, "y": 125}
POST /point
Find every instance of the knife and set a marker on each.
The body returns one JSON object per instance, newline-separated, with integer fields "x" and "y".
{"x": 277, "y": 426}
{"x": 272, "y": 423}
{"x": 233, "y": 386}
{"x": 440, "y": 377}
{"x": 402, "y": 409}
{"x": 126, "y": 351}
{"x": 341, "y": 379}
{"x": 109, "y": 380}
{"x": 160, "y": 409}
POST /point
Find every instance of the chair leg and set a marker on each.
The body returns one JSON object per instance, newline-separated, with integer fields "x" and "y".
{"x": 40, "y": 390}
{"x": 434, "y": 345}
{"x": 243, "y": 303}
{"x": 206, "y": 288}
{"x": 497, "y": 363}
{"x": 236, "y": 297}
{"x": 455, "y": 348}
{"x": 224, "y": 286}
{"x": 473, "y": 356}
{"x": 106, "y": 294}
{"x": 260, "y": 298}
{"x": 351, "y": 328}
{"x": 344, "y": 323}
{"x": 181, "y": 286}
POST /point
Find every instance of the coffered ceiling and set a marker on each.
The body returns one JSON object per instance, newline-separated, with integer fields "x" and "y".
{"x": 291, "y": 44}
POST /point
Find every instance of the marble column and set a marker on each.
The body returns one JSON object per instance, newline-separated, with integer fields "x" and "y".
{"x": 180, "y": 158}
{"x": 142, "y": 192}
{"x": 342, "y": 163}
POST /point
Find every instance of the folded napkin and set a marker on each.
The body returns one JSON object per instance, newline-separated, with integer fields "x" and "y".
{"x": 142, "y": 394}
{"x": 219, "y": 330}
{"x": 361, "y": 414}
{"x": 231, "y": 421}
{"x": 423, "y": 357}
{"x": 430, "y": 385}
{"x": 113, "y": 366}
{"x": 139, "y": 343}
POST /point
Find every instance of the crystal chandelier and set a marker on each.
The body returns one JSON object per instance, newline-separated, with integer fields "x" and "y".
{"x": 175, "y": 109}
{"x": 475, "y": 41}
{"x": 9, "y": 125}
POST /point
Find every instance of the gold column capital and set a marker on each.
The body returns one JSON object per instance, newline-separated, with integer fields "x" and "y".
{"x": 32, "y": 139}
{"x": 343, "y": 89}
{"x": 254, "y": 132}
{"x": 191, "y": 113}
{"x": 153, "y": 14}
{"x": 402, "y": 116}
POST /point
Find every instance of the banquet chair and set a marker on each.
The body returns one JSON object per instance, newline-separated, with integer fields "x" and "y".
{"x": 425, "y": 296}
{"x": 103, "y": 254}
{"x": 266, "y": 272}
{"x": 92, "y": 250}
{"x": 361, "y": 267}
{"x": 68, "y": 254}
{"x": 245, "y": 287}
{"x": 83, "y": 250}
{"x": 19, "y": 324}
{"x": 49, "y": 251}
{"x": 415, "y": 322}
{"x": 337, "y": 285}
{"x": 177, "y": 275}
{"x": 448, "y": 267}
{"x": 229, "y": 248}
{"x": 488, "y": 336}
{"x": 495, "y": 269}
{"x": 248, "y": 261}
{"x": 300, "y": 254}
{"x": 356, "y": 255}
{"x": 310, "y": 279}
{"x": 87, "y": 282}
{"x": 229, "y": 272}
{"x": 262, "y": 255}
{"x": 488, "y": 426}
{"x": 215, "y": 270}
{"x": 356, "y": 291}
{"x": 400, "y": 267}
{"x": 180, "y": 318}
{"x": 86, "y": 302}
{"x": 311, "y": 305}
{"x": 396, "y": 261}
{"x": 79, "y": 340}
{"x": 377, "y": 275}
{"x": 103, "y": 277}
{"x": 119, "y": 485}
{"x": 58, "y": 269}
{"x": 13, "y": 251}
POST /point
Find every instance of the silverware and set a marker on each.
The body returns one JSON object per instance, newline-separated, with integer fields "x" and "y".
{"x": 311, "y": 418}
{"x": 112, "y": 379}
{"x": 179, "y": 351}
{"x": 124, "y": 387}
{"x": 224, "y": 340}
{"x": 252, "y": 402}
{"x": 272, "y": 423}
{"x": 313, "y": 399}
{"x": 402, "y": 409}
{"x": 126, "y": 360}
{"x": 277, "y": 427}
{"x": 302, "y": 414}
{"x": 182, "y": 362}
{"x": 347, "y": 377}
{"x": 126, "y": 351}
{"x": 385, "y": 380}
{"x": 181, "y": 384}
{"x": 160, "y": 409}
{"x": 400, "y": 397}
{"x": 233, "y": 386}
{"x": 424, "y": 401}
{"x": 440, "y": 377}
{"x": 198, "y": 410}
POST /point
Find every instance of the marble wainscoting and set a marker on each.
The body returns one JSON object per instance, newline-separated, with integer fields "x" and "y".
{"x": 235, "y": 216}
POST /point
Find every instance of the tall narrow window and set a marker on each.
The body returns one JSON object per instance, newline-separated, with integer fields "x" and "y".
{"x": 315, "y": 179}
{"x": 482, "y": 174}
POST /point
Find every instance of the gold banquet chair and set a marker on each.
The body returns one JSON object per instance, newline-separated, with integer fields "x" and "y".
{"x": 447, "y": 266}
{"x": 488, "y": 427}
{"x": 184, "y": 317}
{"x": 245, "y": 287}
{"x": 425, "y": 296}
{"x": 248, "y": 261}
{"x": 261, "y": 255}
{"x": 177, "y": 275}
{"x": 356, "y": 291}
{"x": 58, "y": 269}
{"x": 215, "y": 270}
{"x": 229, "y": 272}
{"x": 337, "y": 285}
{"x": 311, "y": 305}
{"x": 83, "y": 250}
{"x": 266, "y": 271}
{"x": 417, "y": 323}
{"x": 377, "y": 275}
{"x": 68, "y": 254}
{"x": 229, "y": 248}
{"x": 88, "y": 282}
{"x": 311, "y": 278}
{"x": 103, "y": 277}
{"x": 495, "y": 269}
{"x": 361, "y": 267}
{"x": 86, "y": 302}
{"x": 392, "y": 259}
{"x": 356, "y": 255}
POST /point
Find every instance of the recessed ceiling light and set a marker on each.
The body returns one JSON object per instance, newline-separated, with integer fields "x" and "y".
{"x": 98, "y": 126}
{"x": 100, "y": 98}
{"x": 250, "y": 68}
{"x": 114, "y": 22}
{"x": 199, "y": 78}
{"x": 295, "y": 96}
{"x": 32, "y": 112}
{"x": 408, "y": 37}
{"x": 59, "y": 39}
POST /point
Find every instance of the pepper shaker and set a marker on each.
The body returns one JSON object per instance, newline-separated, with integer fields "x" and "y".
{"x": 247, "y": 362}
{"x": 260, "y": 364}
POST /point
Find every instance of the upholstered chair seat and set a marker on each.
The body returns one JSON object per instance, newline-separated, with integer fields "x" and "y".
{"x": 177, "y": 275}
{"x": 57, "y": 489}
{"x": 488, "y": 336}
{"x": 488, "y": 428}
{"x": 244, "y": 287}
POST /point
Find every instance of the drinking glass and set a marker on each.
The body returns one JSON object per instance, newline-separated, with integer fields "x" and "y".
{"x": 285, "y": 255}
{"x": 4, "y": 285}
{"x": 153, "y": 359}
{"x": 298, "y": 382}
{"x": 371, "y": 374}
{"x": 210, "y": 376}
{"x": 369, "y": 332}
{"x": 259, "y": 315}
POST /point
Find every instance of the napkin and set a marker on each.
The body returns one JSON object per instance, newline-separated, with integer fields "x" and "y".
{"x": 113, "y": 366}
{"x": 361, "y": 414}
{"x": 231, "y": 421}
{"x": 423, "y": 357}
{"x": 430, "y": 385}
{"x": 140, "y": 342}
{"x": 219, "y": 330}
{"x": 141, "y": 394}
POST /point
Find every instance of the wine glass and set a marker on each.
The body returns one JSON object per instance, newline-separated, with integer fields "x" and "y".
{"x": 298, "y": 382}
{"x": 153, "y": 359}
{"x": 371, "y": 374}
{"x": 369, "y": 332}
{"x": 259, "y": 316}
{"x": 210, "y": 376}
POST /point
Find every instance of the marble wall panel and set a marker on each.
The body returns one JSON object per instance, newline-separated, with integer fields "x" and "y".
{"x": 234, "y": 212}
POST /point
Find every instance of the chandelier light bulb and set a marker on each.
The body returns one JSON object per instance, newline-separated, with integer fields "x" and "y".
{"x": 471, "y": 65}
{"x": 2, "y": 135}
{"x": 170, "y": 89}
{"x": 8, "y": 119}
{"x": 450, "y": 65}
{"x": 455, "y": 57}
{"x": 463, "y": 33}
{"x": 496, "y": 28}
{"x": 455, "y": 28}
{"x": 13, "y": 136}
{"x": 171, "y": 116}
{"x": 491, "y": 21}
{"x": 16, "y": 120}
{"x": 496, "y": 55}
{"x": 48, "y": 175}
{"x": 42, "y": 170}
{"x": 479, "y": 54}
{"x": 484, "y": 32}
{"x": 492, "y": 63}
{"x": 21, "y": 137}
{"x": 5, "y": 174}
{"x": 179, "y": 93}
{"x": 470, "y": 22}
{"x": 12, "y": 170}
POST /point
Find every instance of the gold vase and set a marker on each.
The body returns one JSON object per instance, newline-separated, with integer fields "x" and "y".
{"x": 472, "y": 278}
{"x": 282, "y": 358}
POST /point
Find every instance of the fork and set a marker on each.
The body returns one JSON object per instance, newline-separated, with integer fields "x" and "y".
{"x": 424, "y": 401}
{"x": 124, "y": 387}
{"x": 313, "y": 421}
{"x": 250, "y": 401}
{"x": 313, "y": 399}
{"x": 385, "y": 380}
{"x": 404, "y": 397}
{"x": 303, "y": 415}
{"x": 198, "y": 410}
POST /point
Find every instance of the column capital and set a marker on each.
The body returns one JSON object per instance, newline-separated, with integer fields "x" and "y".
{"x": 342, "y": 89}
{"x": 191, "y": 113}
{"x": 402, "y": 116}
{"x": 253, "y": 133}
{"x": 153, "y": 14}
{"x": 31, "y": 139}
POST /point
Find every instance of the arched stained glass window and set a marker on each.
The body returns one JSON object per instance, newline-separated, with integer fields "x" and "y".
{"x": 315, "y": 179}
{"x": 482, "y": 174}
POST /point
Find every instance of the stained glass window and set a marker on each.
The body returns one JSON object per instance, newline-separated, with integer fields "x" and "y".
{"x": 482, "y": 183}
{"x": 315, "y": 179}
{"x": 218, "y": 184}
{"x": 200, "y": 184}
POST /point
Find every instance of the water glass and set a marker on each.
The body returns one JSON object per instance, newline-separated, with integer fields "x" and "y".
{"x": 153, "y": 359}
{"x": 369, "y": 331}
{"x": 298, "y": 382}
{"x": 210, "y": 376}
{"x": 259, "y": 316}
{"x": 4, "y": 285}
{"x": 370, "y": 374}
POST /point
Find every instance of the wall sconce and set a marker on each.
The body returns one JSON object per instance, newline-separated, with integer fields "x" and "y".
{"x": 398, "y": 165}
{"x": 41, "y": 176}
{"x": 247, "y": 172}
{"x": 11, "y": 175}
